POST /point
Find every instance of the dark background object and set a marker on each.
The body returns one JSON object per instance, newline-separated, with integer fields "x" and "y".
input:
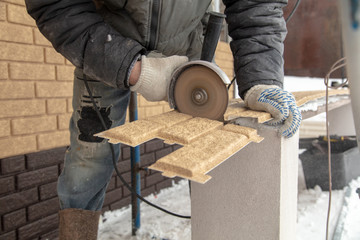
{"x": 345, "y": 162}
{"x": 313, "y": 42}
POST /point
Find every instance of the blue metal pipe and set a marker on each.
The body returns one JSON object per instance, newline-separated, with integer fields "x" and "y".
{"x": 135, "y": 166}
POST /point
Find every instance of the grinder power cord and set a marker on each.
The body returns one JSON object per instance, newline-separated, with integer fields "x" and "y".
{"x": 114, "y": 160}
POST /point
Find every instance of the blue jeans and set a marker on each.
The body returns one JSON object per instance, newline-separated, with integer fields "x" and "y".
{"x": 88, "y": 163}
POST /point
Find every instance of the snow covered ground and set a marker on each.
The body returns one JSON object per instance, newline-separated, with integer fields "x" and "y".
{"x": 312, "y": 211}
{"x": 154, "y": 223}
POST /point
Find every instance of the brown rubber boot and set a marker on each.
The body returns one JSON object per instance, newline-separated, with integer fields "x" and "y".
{"x": 78, "y": 224}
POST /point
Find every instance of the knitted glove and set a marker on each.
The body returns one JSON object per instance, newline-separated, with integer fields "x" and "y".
{"x": 155, "y": 76}
{"x": 279, "y": 103}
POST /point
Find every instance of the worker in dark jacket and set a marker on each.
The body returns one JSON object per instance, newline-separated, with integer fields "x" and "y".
{"x": 109, "y": 45}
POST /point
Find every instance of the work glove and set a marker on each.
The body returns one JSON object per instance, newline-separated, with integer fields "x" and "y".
{"x": 155, "y": 76}
{"x": 279, "y": 103}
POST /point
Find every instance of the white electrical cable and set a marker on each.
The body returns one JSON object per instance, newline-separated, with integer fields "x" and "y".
{"x": 337, "y": 65}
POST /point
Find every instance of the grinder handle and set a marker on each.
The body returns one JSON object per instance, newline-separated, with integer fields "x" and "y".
{"x": 212, "y": 34}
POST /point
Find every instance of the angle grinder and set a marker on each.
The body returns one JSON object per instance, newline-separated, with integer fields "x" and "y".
{"x": 199, "y": 88}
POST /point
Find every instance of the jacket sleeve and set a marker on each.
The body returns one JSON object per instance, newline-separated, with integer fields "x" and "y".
{"x": 79, "y": 33}
{"x": 257, "y": 29}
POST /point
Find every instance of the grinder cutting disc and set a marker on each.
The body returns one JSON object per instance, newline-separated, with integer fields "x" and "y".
{"x": 200, "y": 92}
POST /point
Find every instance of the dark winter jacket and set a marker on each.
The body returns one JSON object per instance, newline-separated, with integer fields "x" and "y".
{"x": 104, "y": 43}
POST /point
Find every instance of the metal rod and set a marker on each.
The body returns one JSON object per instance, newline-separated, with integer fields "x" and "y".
{"x": 135, "y": 166}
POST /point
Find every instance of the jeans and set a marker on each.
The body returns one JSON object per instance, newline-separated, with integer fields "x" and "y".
{"x": 88, "y": 165}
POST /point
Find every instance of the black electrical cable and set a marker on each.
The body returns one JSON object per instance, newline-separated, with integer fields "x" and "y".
{"x": 293, "y": 11}
{"x": 114, "y": 161}
{"x": 232, "y": 81}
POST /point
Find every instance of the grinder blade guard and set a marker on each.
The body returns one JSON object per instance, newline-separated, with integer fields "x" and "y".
{"x": 198, "y": 88}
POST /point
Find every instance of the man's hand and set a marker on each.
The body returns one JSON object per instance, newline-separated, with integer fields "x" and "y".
{"x": 155, "y": 76}
{"x": 279, "y": 103}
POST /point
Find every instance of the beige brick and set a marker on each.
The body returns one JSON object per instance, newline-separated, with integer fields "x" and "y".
{"x": 18, "y": 2}
{"x": 54, "y": 89}
{"x": 141, "y": 113}
{"x": 223, "y": 46}
{"x": 2, "y": 11}
{"x": 33, "y": 125}
{"x": 15, "y": 33}
{"x": 143, "y": 102}
{"x": 15, "y": 89}
{"x": 52, "y": 56}
{"x": 68, "y": 62}
{"x": 21, "y": 52}
{"x": 20, "y": 108}
{"x": 31, "y": 71}
{"x": 225, "y": 64}
{"x": 220, "y": 55}
{"x": 3, "y": 70}
{"x": 17, "y": 145}
{"x": 65, "y": 73}
{"x": 53, "y": 140}
{"x": 4, "y": 128}
{"x": 40, "y": 39}
{"x": 231, "y": 94}
{"x": 18, "y": 14}
{"x": 166, "y": 108}
{"x": 56, "y": 105}
{"x": 63, "y": 121}
{"x": 127, "y": 115}
{"x": 153, "y": 110}
{"x": 229, "y": 73}
{"x": 69, "y": 105}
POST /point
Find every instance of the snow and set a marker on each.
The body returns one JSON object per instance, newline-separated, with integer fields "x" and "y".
{"x": 348, "y": 227}
{"x": 312, "y": 212}
{"x": 154, "y": 223}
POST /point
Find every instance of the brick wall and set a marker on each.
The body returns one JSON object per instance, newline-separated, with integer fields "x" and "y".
{"x": 35, "y": 86}
{"x": 28, "y": 198}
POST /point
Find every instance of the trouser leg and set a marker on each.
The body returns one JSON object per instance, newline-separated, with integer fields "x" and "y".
{"x": 88, "y": 163}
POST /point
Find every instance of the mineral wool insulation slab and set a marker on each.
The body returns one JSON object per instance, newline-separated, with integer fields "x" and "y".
{"x": 185, "y": 132}
{"x": 194, "y": 160}
{"x": 237, "y": 109}
{"x": 132, "y": 134}
{"x": 140, "y": 131}
{"x": 207, "y": 143}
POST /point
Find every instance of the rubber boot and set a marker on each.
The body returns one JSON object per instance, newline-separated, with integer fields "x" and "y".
{"x": 78, "y": 224}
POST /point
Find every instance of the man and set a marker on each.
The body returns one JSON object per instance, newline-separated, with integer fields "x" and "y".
{"x": 110, "y": 46}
